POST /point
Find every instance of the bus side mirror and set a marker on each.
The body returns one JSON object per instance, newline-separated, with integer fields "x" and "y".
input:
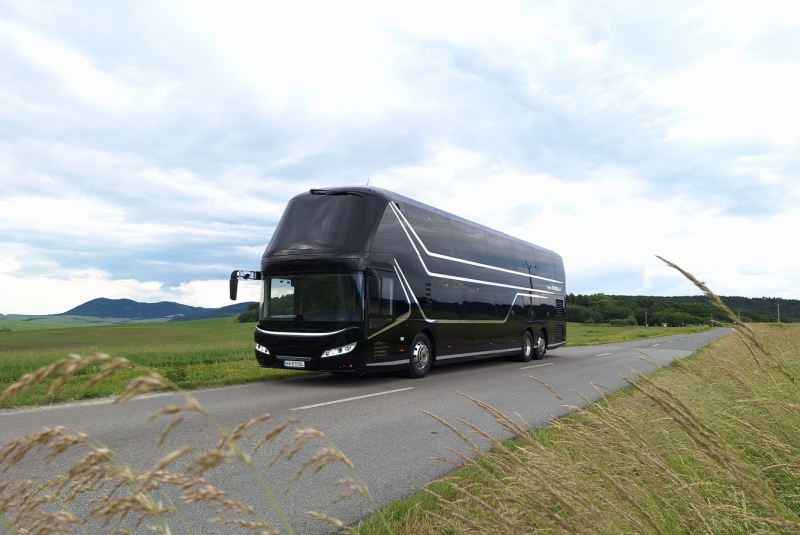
{"x": 234, "y": 284}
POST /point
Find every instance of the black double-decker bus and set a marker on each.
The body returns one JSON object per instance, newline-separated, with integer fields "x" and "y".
{"x": 361, "y": 279}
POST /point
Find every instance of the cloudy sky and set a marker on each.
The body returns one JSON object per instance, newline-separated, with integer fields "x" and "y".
{"x": 148, "y": 148}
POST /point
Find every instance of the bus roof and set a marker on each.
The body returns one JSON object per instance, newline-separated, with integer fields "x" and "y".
{"x": 391, "y": 196}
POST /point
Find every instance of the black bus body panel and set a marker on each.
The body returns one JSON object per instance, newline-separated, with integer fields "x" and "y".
{"x": 472, "y": 290}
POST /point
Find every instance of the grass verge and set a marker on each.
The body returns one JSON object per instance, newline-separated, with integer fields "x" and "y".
{"x": 102, "y": 492}
{"x": 580, "y": 334}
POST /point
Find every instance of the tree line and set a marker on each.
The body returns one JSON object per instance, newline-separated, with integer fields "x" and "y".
{"x": 674, "y": 311}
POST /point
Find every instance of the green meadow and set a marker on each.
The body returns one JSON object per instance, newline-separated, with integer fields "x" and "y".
{"x": 193, "y": 354}
{"x": 579, "y": 334}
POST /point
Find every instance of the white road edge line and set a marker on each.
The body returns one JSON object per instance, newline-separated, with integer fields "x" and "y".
{"x": 352, "y": 399}
{"x": 602, "y": 354}
{"x": 537, "y": 365}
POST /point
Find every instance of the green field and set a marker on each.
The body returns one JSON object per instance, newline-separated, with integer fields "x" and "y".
{"x": 19, "y": 322}
{"x": 193, "y": 354}
{"x": 579, "y": 334}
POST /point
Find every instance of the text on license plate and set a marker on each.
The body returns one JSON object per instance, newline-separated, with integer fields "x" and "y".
{"x": 294, "y": 364}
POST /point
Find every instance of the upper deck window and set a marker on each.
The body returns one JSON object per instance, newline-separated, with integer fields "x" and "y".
{"x": 433, "y": 229}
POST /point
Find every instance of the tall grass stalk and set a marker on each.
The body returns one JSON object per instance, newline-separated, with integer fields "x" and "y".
{"x": 122, "y": 499}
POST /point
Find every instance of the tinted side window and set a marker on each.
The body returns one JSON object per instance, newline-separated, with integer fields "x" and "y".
{"x": 433, "y": 230}
{"x": 479, "y": 301}
{"x": 447, "y": 300}
{"x": 503, "y": 298}
{"x": 558, "y": 268}
{"x": 546, "y": 268}
{"x": 469, "y": 242}
{"x": 390, "y": 237}
{"x": 500, "y": 251}
{"x": 525, "y": 261}
{"x": 389, "y": 303}
{"x": 382, "y": 304}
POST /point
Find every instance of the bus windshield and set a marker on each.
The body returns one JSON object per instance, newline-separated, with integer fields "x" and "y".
{"x": 336, "y": 297}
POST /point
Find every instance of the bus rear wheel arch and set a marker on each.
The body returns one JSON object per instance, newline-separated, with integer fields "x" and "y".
{"x": 421, "y": 357}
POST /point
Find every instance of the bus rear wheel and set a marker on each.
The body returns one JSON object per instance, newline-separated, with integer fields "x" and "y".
{"x": 421, "y": 357}
{"x": 540, "y": 347}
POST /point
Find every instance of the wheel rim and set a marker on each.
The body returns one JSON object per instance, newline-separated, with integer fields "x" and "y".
{"x": 540, "y": 343}
{"x": 528, "y": 346}
{"x": 422, "y": 355}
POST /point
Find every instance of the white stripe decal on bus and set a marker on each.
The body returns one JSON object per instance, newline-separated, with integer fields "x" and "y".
{"x": 453, "y": 277}
{"x": 400, "y": 215}
{"x": 429, "y": 320}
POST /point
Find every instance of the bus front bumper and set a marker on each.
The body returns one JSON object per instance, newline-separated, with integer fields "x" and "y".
{"x": 340, "y": 352}
{"x": 338, "y": 364}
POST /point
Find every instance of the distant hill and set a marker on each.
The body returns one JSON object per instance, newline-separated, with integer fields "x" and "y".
{"x": 127, "y": 308}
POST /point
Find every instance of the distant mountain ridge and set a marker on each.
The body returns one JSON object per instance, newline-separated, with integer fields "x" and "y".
{"x": 127, "y": 308}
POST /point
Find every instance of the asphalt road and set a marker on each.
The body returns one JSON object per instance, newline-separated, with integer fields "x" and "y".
{"x": 377, "y": 421}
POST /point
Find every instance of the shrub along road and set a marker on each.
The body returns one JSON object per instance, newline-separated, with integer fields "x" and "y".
{"x": 377, "y": 421}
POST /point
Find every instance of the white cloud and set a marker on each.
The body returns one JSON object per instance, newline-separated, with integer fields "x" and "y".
{"x": 214, "y": 294}
{"x": 320, "y": 57}
{"x": 727, "y": 95}
{"x": 8, "y": 265}
{"x": 72, "y": 69}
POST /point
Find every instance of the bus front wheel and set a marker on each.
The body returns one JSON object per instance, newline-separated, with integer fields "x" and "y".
{"x": 527, "y": 348}
{"x": 421, "y": 357}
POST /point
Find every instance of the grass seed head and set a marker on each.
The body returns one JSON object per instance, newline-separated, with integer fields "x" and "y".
{"x": 60, "y": 371}
{"x": 143, "y": 384}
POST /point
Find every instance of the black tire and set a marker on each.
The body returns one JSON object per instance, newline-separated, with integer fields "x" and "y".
{"x": 540, "y": 347}
{"x": 527, "y": 348}
{"x": 421, "y": 357}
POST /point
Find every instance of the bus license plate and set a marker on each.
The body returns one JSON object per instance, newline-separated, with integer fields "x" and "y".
{"x": 294, "y": 363}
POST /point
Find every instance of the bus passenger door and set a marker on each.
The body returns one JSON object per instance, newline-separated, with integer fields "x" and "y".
{"x": 386, "y": 329}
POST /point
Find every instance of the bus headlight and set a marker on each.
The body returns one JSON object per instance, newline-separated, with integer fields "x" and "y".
{"x": 339, "y": 350}
{"x": 262, "y": 349}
